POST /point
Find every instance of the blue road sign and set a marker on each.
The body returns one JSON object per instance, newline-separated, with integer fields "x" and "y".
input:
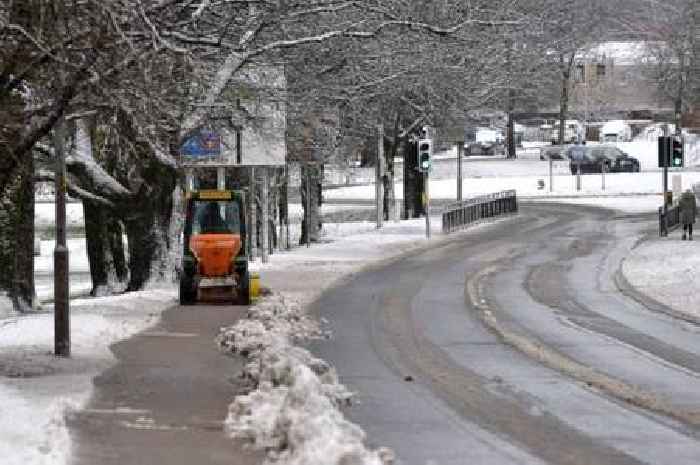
{"x": 202, "y": 144}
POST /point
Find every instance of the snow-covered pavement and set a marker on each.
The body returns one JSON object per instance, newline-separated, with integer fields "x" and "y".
{"x": 37, "y": 389}
{"x": 667, "y": 270}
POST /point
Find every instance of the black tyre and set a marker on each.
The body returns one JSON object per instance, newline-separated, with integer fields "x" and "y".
{"x": 188, "y": 294}
{"x": 244, "y": 290}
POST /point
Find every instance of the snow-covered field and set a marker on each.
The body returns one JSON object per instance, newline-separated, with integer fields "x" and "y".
{"x": 536, "y": 186}
{"x": 79, "y": 268}
{"x": 45, "y": 212}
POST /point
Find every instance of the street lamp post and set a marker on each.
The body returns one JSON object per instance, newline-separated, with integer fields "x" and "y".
{"x": 60, "y": 253}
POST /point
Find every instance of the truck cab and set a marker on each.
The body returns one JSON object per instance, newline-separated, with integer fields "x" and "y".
{"x": 214, "y": 259}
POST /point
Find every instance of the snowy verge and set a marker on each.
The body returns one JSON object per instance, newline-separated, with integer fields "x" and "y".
{"x": 294, "y": 411}
{"x": 668, "y": 271}
{"x": 38, "y": 390}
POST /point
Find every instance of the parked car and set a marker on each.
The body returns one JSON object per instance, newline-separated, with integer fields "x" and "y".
{"x": 484, "y": 141}
{"x": 623, "y": 163}
{"x": 553, "y": 152}
{"x": 592, "y": 159}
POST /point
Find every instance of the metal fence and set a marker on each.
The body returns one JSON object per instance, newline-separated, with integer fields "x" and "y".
{"x": 669, "y": 221}
{"x": 458, "y": 215}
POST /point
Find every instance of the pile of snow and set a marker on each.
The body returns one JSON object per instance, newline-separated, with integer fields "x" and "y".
{"x": 293, "y": 413}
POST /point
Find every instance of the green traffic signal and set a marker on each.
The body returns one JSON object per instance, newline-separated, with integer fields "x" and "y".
{"x": 676, "y": 151}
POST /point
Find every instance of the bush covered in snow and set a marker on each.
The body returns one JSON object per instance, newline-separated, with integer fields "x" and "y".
{"x": 293, "y": 412}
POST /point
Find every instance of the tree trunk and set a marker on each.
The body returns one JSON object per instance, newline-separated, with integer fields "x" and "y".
{"x": 103, "y": 231}
{"x": 105, "y": 249}
{"x": 412, "y": 182}
{"x": 284, "y": 208}
{"x": 510, "y": 135}
{"x": 23, "y": 293}
{"x": 563, "y": 101}
{"x": 147, "y": 229}
{"x": 390, "y": 151}
{"x": 7, "y": 236}
{"x": 17, "y": 237}
{"x": 311, "y": 174}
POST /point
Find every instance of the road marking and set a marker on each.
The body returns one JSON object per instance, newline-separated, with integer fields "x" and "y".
{"x": 116, "y": 411}
{"x": 147, "y": 423}
{"x": 168, "y": 334}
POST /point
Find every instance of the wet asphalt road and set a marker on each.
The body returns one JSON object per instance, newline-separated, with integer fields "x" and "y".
{"x": 437, "y": 385}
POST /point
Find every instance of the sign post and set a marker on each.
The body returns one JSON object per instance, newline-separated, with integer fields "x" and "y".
{"x": 664, "y": 148}
{"x": 379, "y": 182}
{"x": 602, "y": 174}
{"x": 425, "y": 154}
{"x": 460, "y": 151}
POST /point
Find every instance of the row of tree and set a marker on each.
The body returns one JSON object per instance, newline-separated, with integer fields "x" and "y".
{"x": 133, "y": 77}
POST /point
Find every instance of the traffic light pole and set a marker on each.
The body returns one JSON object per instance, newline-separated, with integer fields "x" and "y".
{"x": 379, "y": 182}
{"x": 426, "y": 193}
{"x": 460, "y": 150}
{"x": 665, "y": 193}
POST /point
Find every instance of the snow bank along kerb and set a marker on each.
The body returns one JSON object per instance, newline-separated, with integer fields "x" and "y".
{"x": 294, "y": 410}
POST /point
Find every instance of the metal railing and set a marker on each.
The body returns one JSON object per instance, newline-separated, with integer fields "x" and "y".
{"x": 670, "y": 221}
{"x": 458, "y": 215}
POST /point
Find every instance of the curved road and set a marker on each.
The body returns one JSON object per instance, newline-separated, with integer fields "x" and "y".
{"x": 513, "y": 344}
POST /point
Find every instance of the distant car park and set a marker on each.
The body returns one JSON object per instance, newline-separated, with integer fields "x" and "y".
{"x": 484, "y": 141}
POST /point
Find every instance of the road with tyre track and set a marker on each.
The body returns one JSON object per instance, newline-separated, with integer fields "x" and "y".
{"x": 518, "y": 343}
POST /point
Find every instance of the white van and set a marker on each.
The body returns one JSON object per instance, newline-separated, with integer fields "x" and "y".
{"x": 615, "y": 131}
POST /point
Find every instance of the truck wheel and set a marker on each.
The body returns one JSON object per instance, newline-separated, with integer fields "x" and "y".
{"x": 188, "y": 294}
{"x": 244, "y": 290}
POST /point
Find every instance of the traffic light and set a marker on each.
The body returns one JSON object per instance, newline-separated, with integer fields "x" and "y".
{"x": 425, "y": 152}
{"x": 676, "y": 152}
{"x": 664, "y": 151}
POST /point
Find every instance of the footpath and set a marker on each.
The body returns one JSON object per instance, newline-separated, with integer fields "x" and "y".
{"x": 165, "y": 399}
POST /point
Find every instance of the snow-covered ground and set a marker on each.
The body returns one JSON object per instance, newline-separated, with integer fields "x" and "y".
{"x": 78, "y": 266}
{"x": 529, "y": 186}
{"x": 668, "y": 270}
{"x": 45, "y": 214}
{"x": 38, "y": 390}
